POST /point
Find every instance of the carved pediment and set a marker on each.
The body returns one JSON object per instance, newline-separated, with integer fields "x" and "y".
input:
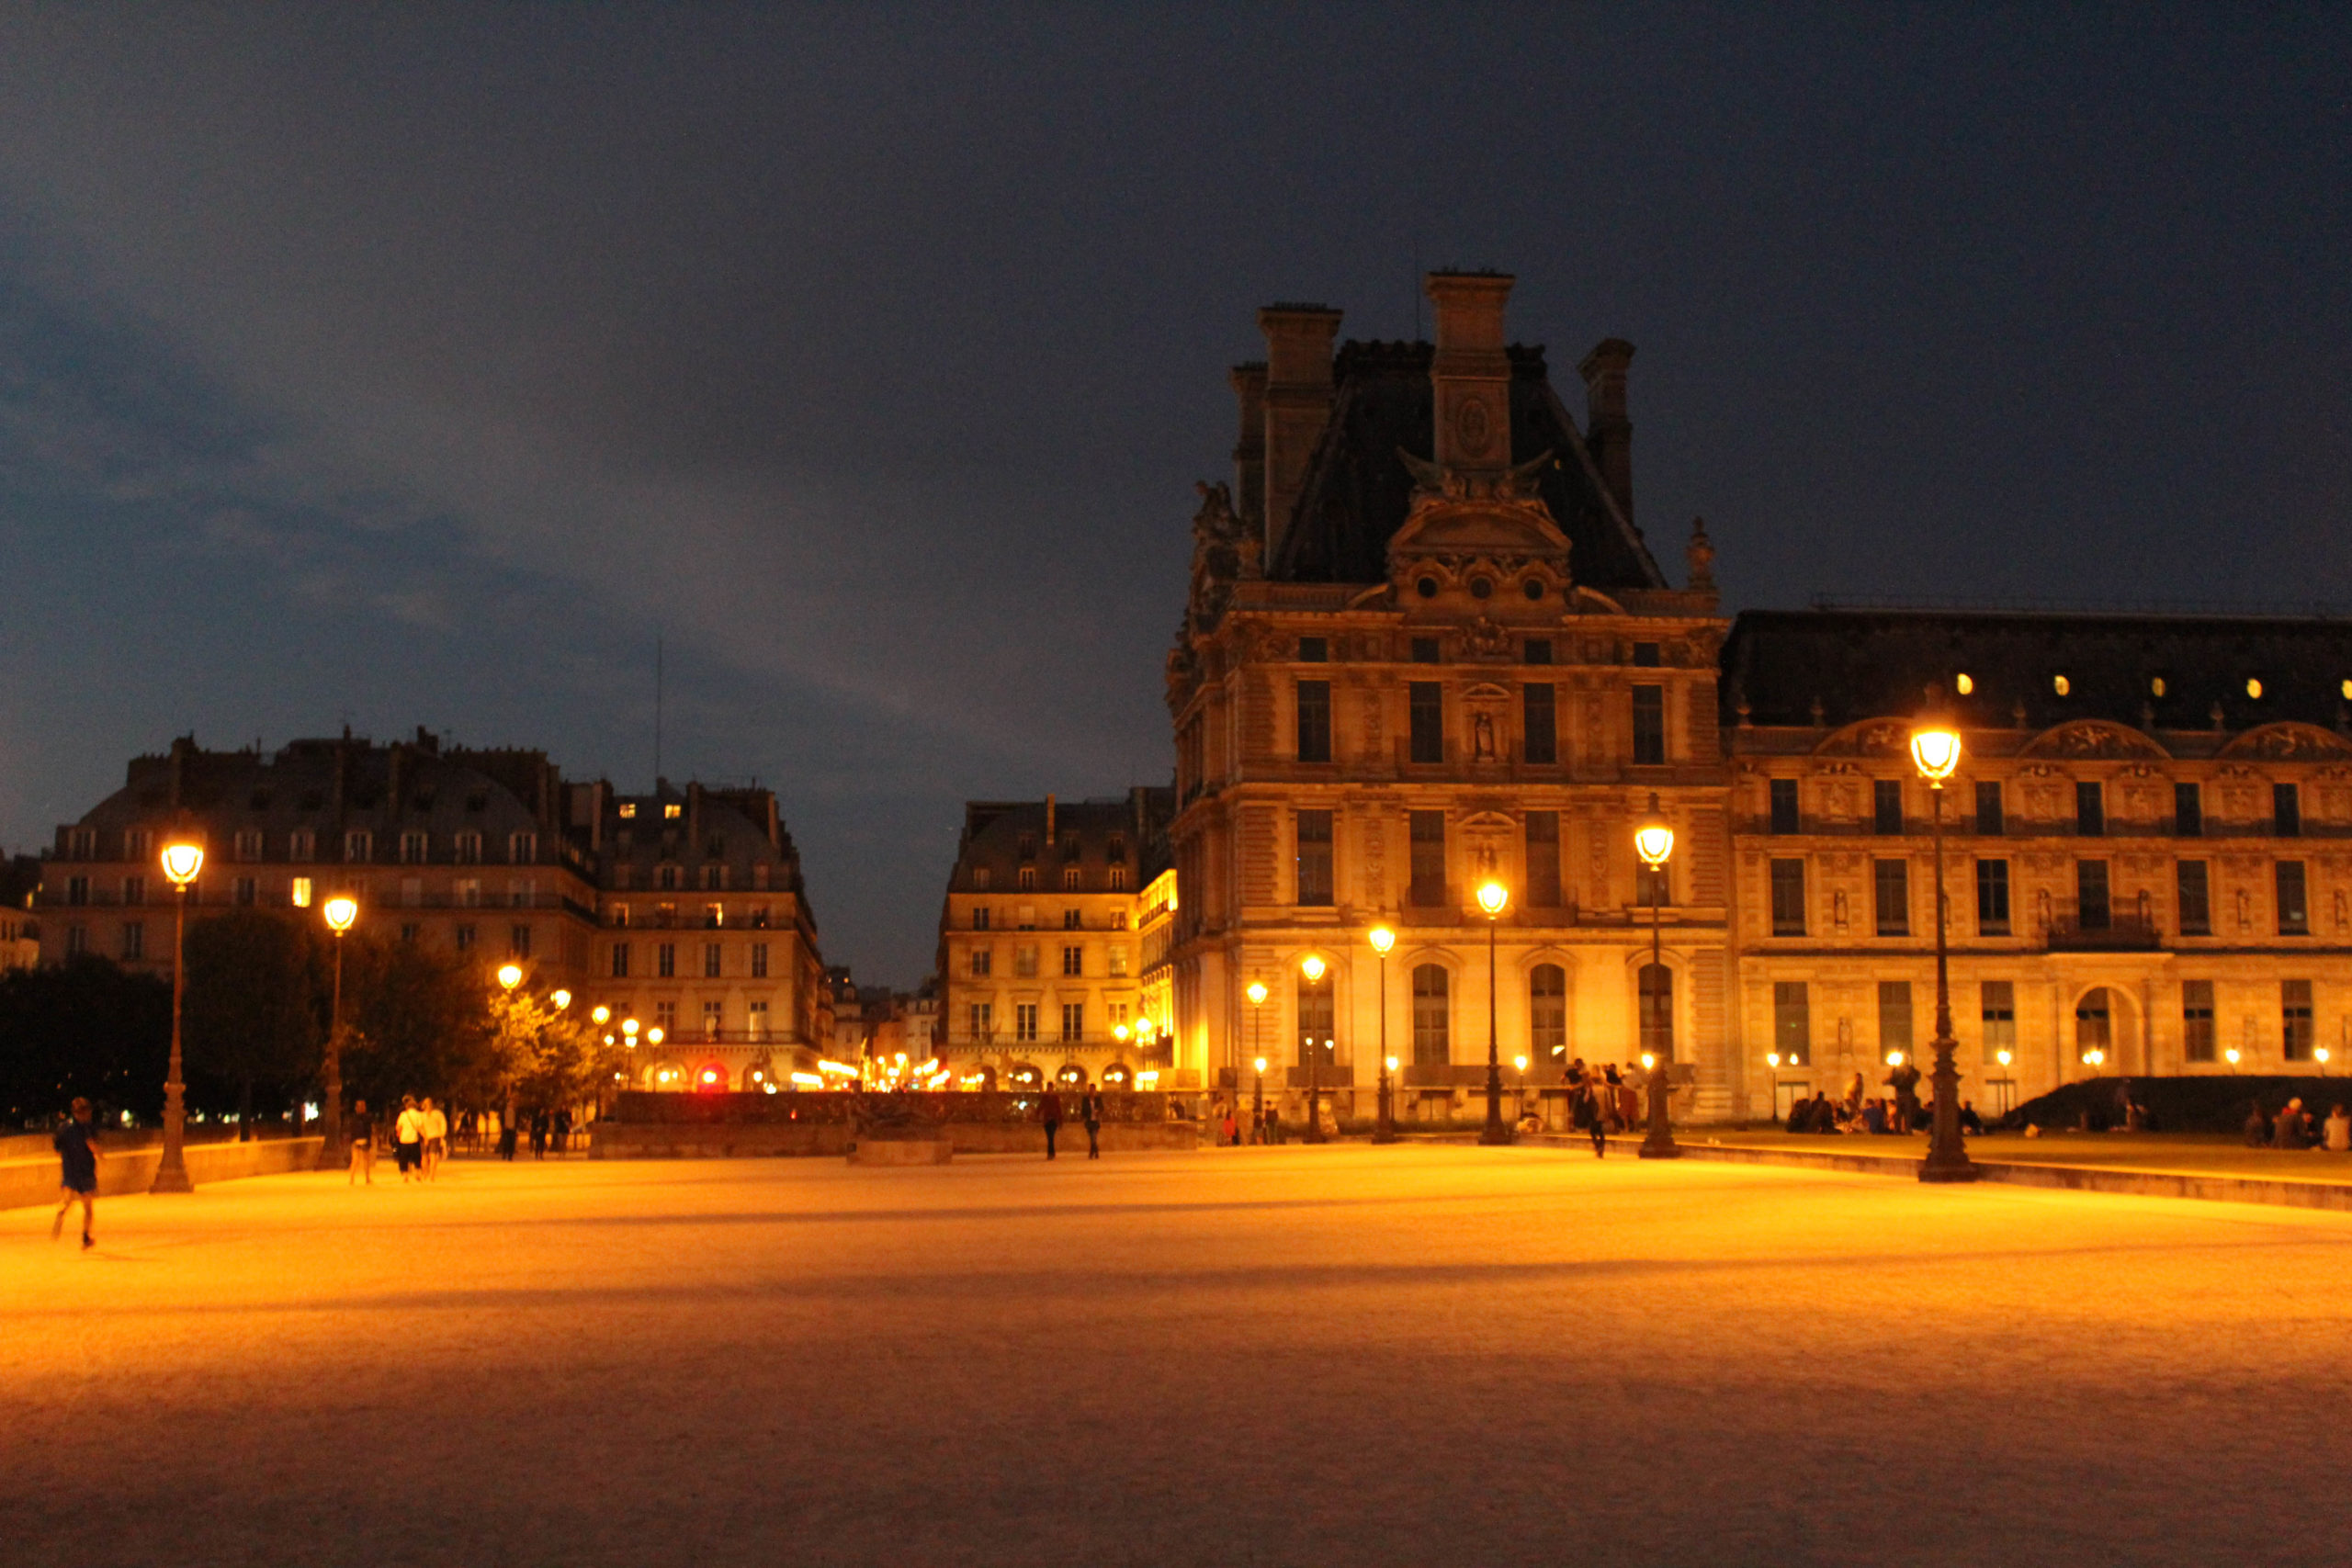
{"x": 2092, "y": 737}
{"x": 2289, "y": 742}
{"x": 1870, "y": 737}
{"x": 1485, "y": 692}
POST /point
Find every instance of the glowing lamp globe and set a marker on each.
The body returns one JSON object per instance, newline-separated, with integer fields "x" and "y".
{"x": 2004, "y": 1054}
{"x": 1120, "y": 1030}
{"x": 510, "y": 975}
{"x": 1392, "y": 1064}
{"x": 181, "y": 863}
{"x": 561, "y": 1000}
{"x": 1772, "y": 1058}
{"x": 654, "y": 1034}
{"x": 629, "y": 1026}
{"x": 1312, "y": 967}
{"x": 1381, "y": 940}
{"x": 340, "y": 911}
{"x": 1521, "y": 1062}
{"x": 1261, "y": 1064}
{"x": 1654, "y": 839}
{"x": 601, "y": 1014}
{"x": 1894, "y": 1058}
{"x": 1648, "y": 1061}
{"x": 1256, "y": 993}
{"x": 1492, "y": 897}
{"x": 1936, "y": 751}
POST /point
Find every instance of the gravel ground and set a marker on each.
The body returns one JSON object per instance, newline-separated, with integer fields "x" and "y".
{"x": 1416, "y": 1355}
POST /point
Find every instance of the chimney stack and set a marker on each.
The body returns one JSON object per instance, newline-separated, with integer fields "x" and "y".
{"x": 1249, "y": 450}
{"x": 1609, "y": 434}
{"x": 1298, "y": 404}
{"x": 1050, "y": 821}
{"x": 1470, "y": 375}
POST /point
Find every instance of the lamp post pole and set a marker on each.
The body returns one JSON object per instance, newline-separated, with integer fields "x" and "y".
{"x": 1256, "y": 995}
{"x": 1654, "y": 842}
{"x": 1315, "y": 971}
{"x": 1936, "y": 749}
{"x": 1386, "y": 1131}
{"x": 339, "y": 913}
{"x": 181, "y": 863}
{"x": 1492, "y": 898}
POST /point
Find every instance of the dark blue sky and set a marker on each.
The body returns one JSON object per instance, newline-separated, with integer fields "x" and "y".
{"x": 409, "y": 368}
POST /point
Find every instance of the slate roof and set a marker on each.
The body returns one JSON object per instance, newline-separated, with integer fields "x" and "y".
{"x": 1357, "y": 491}
{"x": 1873, "y": 664}
{"x": 1003, "y": 835}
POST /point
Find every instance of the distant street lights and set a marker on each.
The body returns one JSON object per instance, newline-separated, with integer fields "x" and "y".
{"x": 339, "y": 912}
{"x": 1314, "y": 969}
{"x": 1654, "y": 842}
{"x": 1492, "y": 897}
{"x": 1384, "y": 1131}
{"x": 182, "y": 861}
{"x": 1935, "y": 748}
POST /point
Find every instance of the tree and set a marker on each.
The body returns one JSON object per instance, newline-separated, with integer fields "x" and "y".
{"x": 415, "y": 1021}
{"x": 253, "y": 1013}
{"x": 86, "y": 1027}
{"x": 550, "y": 1057}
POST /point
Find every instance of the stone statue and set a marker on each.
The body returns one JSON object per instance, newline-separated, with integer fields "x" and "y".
{"x": 1482, "y": 730}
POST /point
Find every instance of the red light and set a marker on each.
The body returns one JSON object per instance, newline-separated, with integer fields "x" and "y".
{"x": 710, "y": 1075}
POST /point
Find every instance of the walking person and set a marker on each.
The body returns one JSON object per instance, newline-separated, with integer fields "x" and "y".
{"x": 507, "y": 1133}
{"x": 363, "y": 1144}
{"x": 436, "y": 1139}
{"x": 561, "y": 1134}
{"x": 1585, "y": 1110}
{"x": 1090, "y": 1110}
{"x": 1229, "y": 1129}
{"x": 539, "y": 1134}
{"x": 408, "y": 1139}
{"x": 1049, "y": 1111}
{"x": 77, "y": 1172}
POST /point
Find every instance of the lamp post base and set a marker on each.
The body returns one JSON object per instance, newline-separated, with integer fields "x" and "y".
{"x": 171, "y": 1176}
{"x": 1930, "y": 1171}
{"x": 1653, "y": 1148}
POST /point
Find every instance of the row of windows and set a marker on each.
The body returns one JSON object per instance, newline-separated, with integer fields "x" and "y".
{"x": 412, "y": 846}
{"x": 666, "y": 960}
{"x": 1429, "y": 649}
{"x": 1997, "y": 1014}
{"x": 1024, "y": 878}
{"x": 712, "y": 916}
{"x": 1991, "y": 820}
{"x": 1026, "y": 919}
{"x": 133, "y": 939}
{"x": 1425, "y": 723}
{"x": 1025, "y": 961}
{"x": 1426, "y": 865}
{"x": 980, "y": 1019}
{"x": 714, "y": 1019}
{"x": 711, "y": 876}
{"x": 2094, "y": 908}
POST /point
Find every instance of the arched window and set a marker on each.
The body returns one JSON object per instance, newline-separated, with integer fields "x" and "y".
{"x": 1432, "y": 1033}
{"x": 1547, "y": 1015}
{"x": 2092, "y": 1027}
{"x": 1657, "y": 1010}
{"x": 1315, "y": 1019}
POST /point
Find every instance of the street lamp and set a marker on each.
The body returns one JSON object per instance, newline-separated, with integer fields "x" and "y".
{"x": 1492, "y": 897}
{"x": 510, "y": 975}
{"x": 600, "y": 1014}
{"x": 340, "y": 912}
{"x": 561, "y": 1000}
{"x": 1935, "y": 748}
{"x": 1654, "y": 842}
{"x": 2232, "y": 1056}
{"x": 1256, "y": 992}
{"x": 1384, "y": 1131}
{"x": 1313, "y": 967}
{"x": 182, "y": 861}
{"x": 1772, "y": 1061}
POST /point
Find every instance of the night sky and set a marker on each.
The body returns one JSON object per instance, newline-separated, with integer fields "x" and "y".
{"x": 404, "y": 368}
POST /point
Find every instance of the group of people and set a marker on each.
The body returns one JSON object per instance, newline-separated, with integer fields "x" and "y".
{"x": 1264, "y": 1126}
{"x": 2294, "y": 1128}
{"x": 1857, "y": 1111}
{"x": 1090, "y": 1111}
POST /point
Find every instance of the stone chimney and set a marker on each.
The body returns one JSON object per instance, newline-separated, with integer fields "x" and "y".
{"x": 1470, "y": 376}
{"x": 1249, "y": 451}
{"x": 1050, "y": 821}
{"x": 1608, "y": 433}
{"x": 1298, "y": 404}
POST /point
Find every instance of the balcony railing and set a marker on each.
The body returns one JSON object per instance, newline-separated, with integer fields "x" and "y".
{"x": 2073, "y": 929}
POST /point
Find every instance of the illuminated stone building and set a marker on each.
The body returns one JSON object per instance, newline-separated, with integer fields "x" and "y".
{"x": 1039, "y": 955}
{"x": 2148, "y": 845}
{"x": 1427, "y": 647}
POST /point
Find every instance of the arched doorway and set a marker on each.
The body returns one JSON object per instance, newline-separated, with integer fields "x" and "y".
{"x": 1024, "y": 1075}
{"x": 1657, "y": 1010}
{"x": 2095, "y": 1029}
{"x": 1315, "y": 1019}
{"x": 1118, "y": 1075}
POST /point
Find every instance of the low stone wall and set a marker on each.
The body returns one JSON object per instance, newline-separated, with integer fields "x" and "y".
{"x": 24, "y": 1183}
{"x": 641, "y": 1139}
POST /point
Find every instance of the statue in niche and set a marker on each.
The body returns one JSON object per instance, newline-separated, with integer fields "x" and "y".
{"x": 1482, "y": 731}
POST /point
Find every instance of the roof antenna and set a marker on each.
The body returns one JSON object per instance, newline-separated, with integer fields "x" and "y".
{"x": 657, "y": 709}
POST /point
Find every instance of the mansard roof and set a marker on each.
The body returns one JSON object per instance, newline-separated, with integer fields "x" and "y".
{"x": 1358, "y": 491}
{"x": 1001, "y": 836}
{"x": 1861, "y": 664}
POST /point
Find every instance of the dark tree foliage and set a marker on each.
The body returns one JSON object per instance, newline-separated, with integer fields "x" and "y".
{"x": 86, "y": 1027}
{"x": 255, "y": 1014}
{"x": 415, "y": 1021}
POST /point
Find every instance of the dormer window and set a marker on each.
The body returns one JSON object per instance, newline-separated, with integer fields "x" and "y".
{"x": 672, "y": 812}
{"x": 628, "y": 809}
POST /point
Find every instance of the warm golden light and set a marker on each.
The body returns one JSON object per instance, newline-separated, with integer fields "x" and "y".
{"x": 1312, "y": 967}
{"x": 1936, "y": 751}
{"x": 1492, "y": 897}
{"x": 601, "y": 1014}
{"x": 1261, "y": 1064}
{"x": 2233, "y": 1054}
{"x": 1256, "y": 993}
{"x": 2253, "y": 688}
{"x": 340, "y": 912}
{"x": 1120, "y": 1030}
{"x": 182, "y": 861}
{"x": 629, "y": 1026}
{"x": 1964, "y": 684}
{"x": 561, "y": 1000}
{"x": 301, "y": 892}
{"x": 1381, "y": 940}
{"x": 1654, "y": 839}
{"x": 1772, "y": 1057}
{"x": 1521, "y": 1062}
{"x": 2002, "y": 1054}
{"x": 1648, "y": 1061}
{"x": 654, "y": 1034}
{"x": 1392, "y": 1064}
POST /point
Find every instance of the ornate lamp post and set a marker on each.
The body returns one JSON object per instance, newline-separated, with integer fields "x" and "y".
{"x": 1258, "y": 1102}
{"x": 340, "y": 912}
{"x": 1654, "y": 842}
{"x": 1314, "y": 969}
{"x": 1935, "y": 748}
{"x": 182, "y": 861}
{"x": 1492, "y": 897}
{"x": 1772, "y": 1082}
{"x": 1256, "y": 992}
{"x": 1384, "y": 1131}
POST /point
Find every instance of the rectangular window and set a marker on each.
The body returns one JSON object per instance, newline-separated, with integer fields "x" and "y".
{"x": 1426, "y": 708}
{"x": 1024, "y": 1021}
{"x": 1432, "y": 1037}
{"x": 759, "y": 960}
{"x": 245, "y": 890}
{"x": 1786, "y": 818}
{"x": 77, "y": 940}
{"x": 1894, "y": 1016}
{"x": 1027, "y": 878}
{"x": 1998, "y": 1008}
{"x": 248, "y": 844}
{"x": 1538, "y": 651}
{"x": 620, "y": 961}
{"x": 1424, "y": 650}
{"x": 1541, "y": 740}
{"x": 134, "y": 845}
{"x": 1992, "y": 898}
{"x": 757, "y": 1018}
{"x": 1073, "y": 920}
{"x": 1543, "y": 859}
{"x": 980, "y": 1019}
{"x": 666, "y": 1015}
{"x": 983, "y": 961}
{"x": 2294, "y": 920}
{"x": 134, "y": 890}
{"x": 469, "y": 848}
{"x": 300, "y": 892}
{"x": 1314, "y": 651}
{"x": 134, "y": 940}
{"x": 1646, "y": 656}
{"x": 710, "y": 960}
{"x": 665, "y": 961}
{"x": 522, "y": 848}
{"x": 413, "y": 847}
{"x": 77, "y": 890}
{"x": 1787, "y": 897}
{"x": 1118, "y": 876}
{"x": 2196, "y": 1020}
{"x": 2188, "y": 811}
{"x": 2091, "y": 907}
{"x": 84, "y": 841}
{"x": 1989, "y": 821}
{"x": 359, "y": 846}
{"x": 1073, "y": 1021}
{"x": 466, "y": 939}
{"x": 2286, "y": 811}
{"x": 1070, "y": 878}
{"x": 1428, "y": 833}
{"x": 518, "y": 941}
{"x": 2195, "y": 905}
{"x": 2090, "y": 809}
{"x": 1649, "y": 726}
{"x": 1886, "y": 806}
{"x": 410, "y": 931}
{"x": 1313, "y": 857}
{"x": 1074, "y": 960}
{"x": 2295, "y": 1019}
{"x": 1891, "y": 881}
{"x": 1315, "y": 721}
{"x": 980, "y": 919}
{"x": 1024, "y": 961}
{"x": 1792, "y": 1022}
{"x": 711, "y": 1016}
{"x": 1118, "y": 962}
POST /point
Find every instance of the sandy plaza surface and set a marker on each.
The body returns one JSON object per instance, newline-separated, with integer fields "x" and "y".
{"x": 1345, "y": 1355}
